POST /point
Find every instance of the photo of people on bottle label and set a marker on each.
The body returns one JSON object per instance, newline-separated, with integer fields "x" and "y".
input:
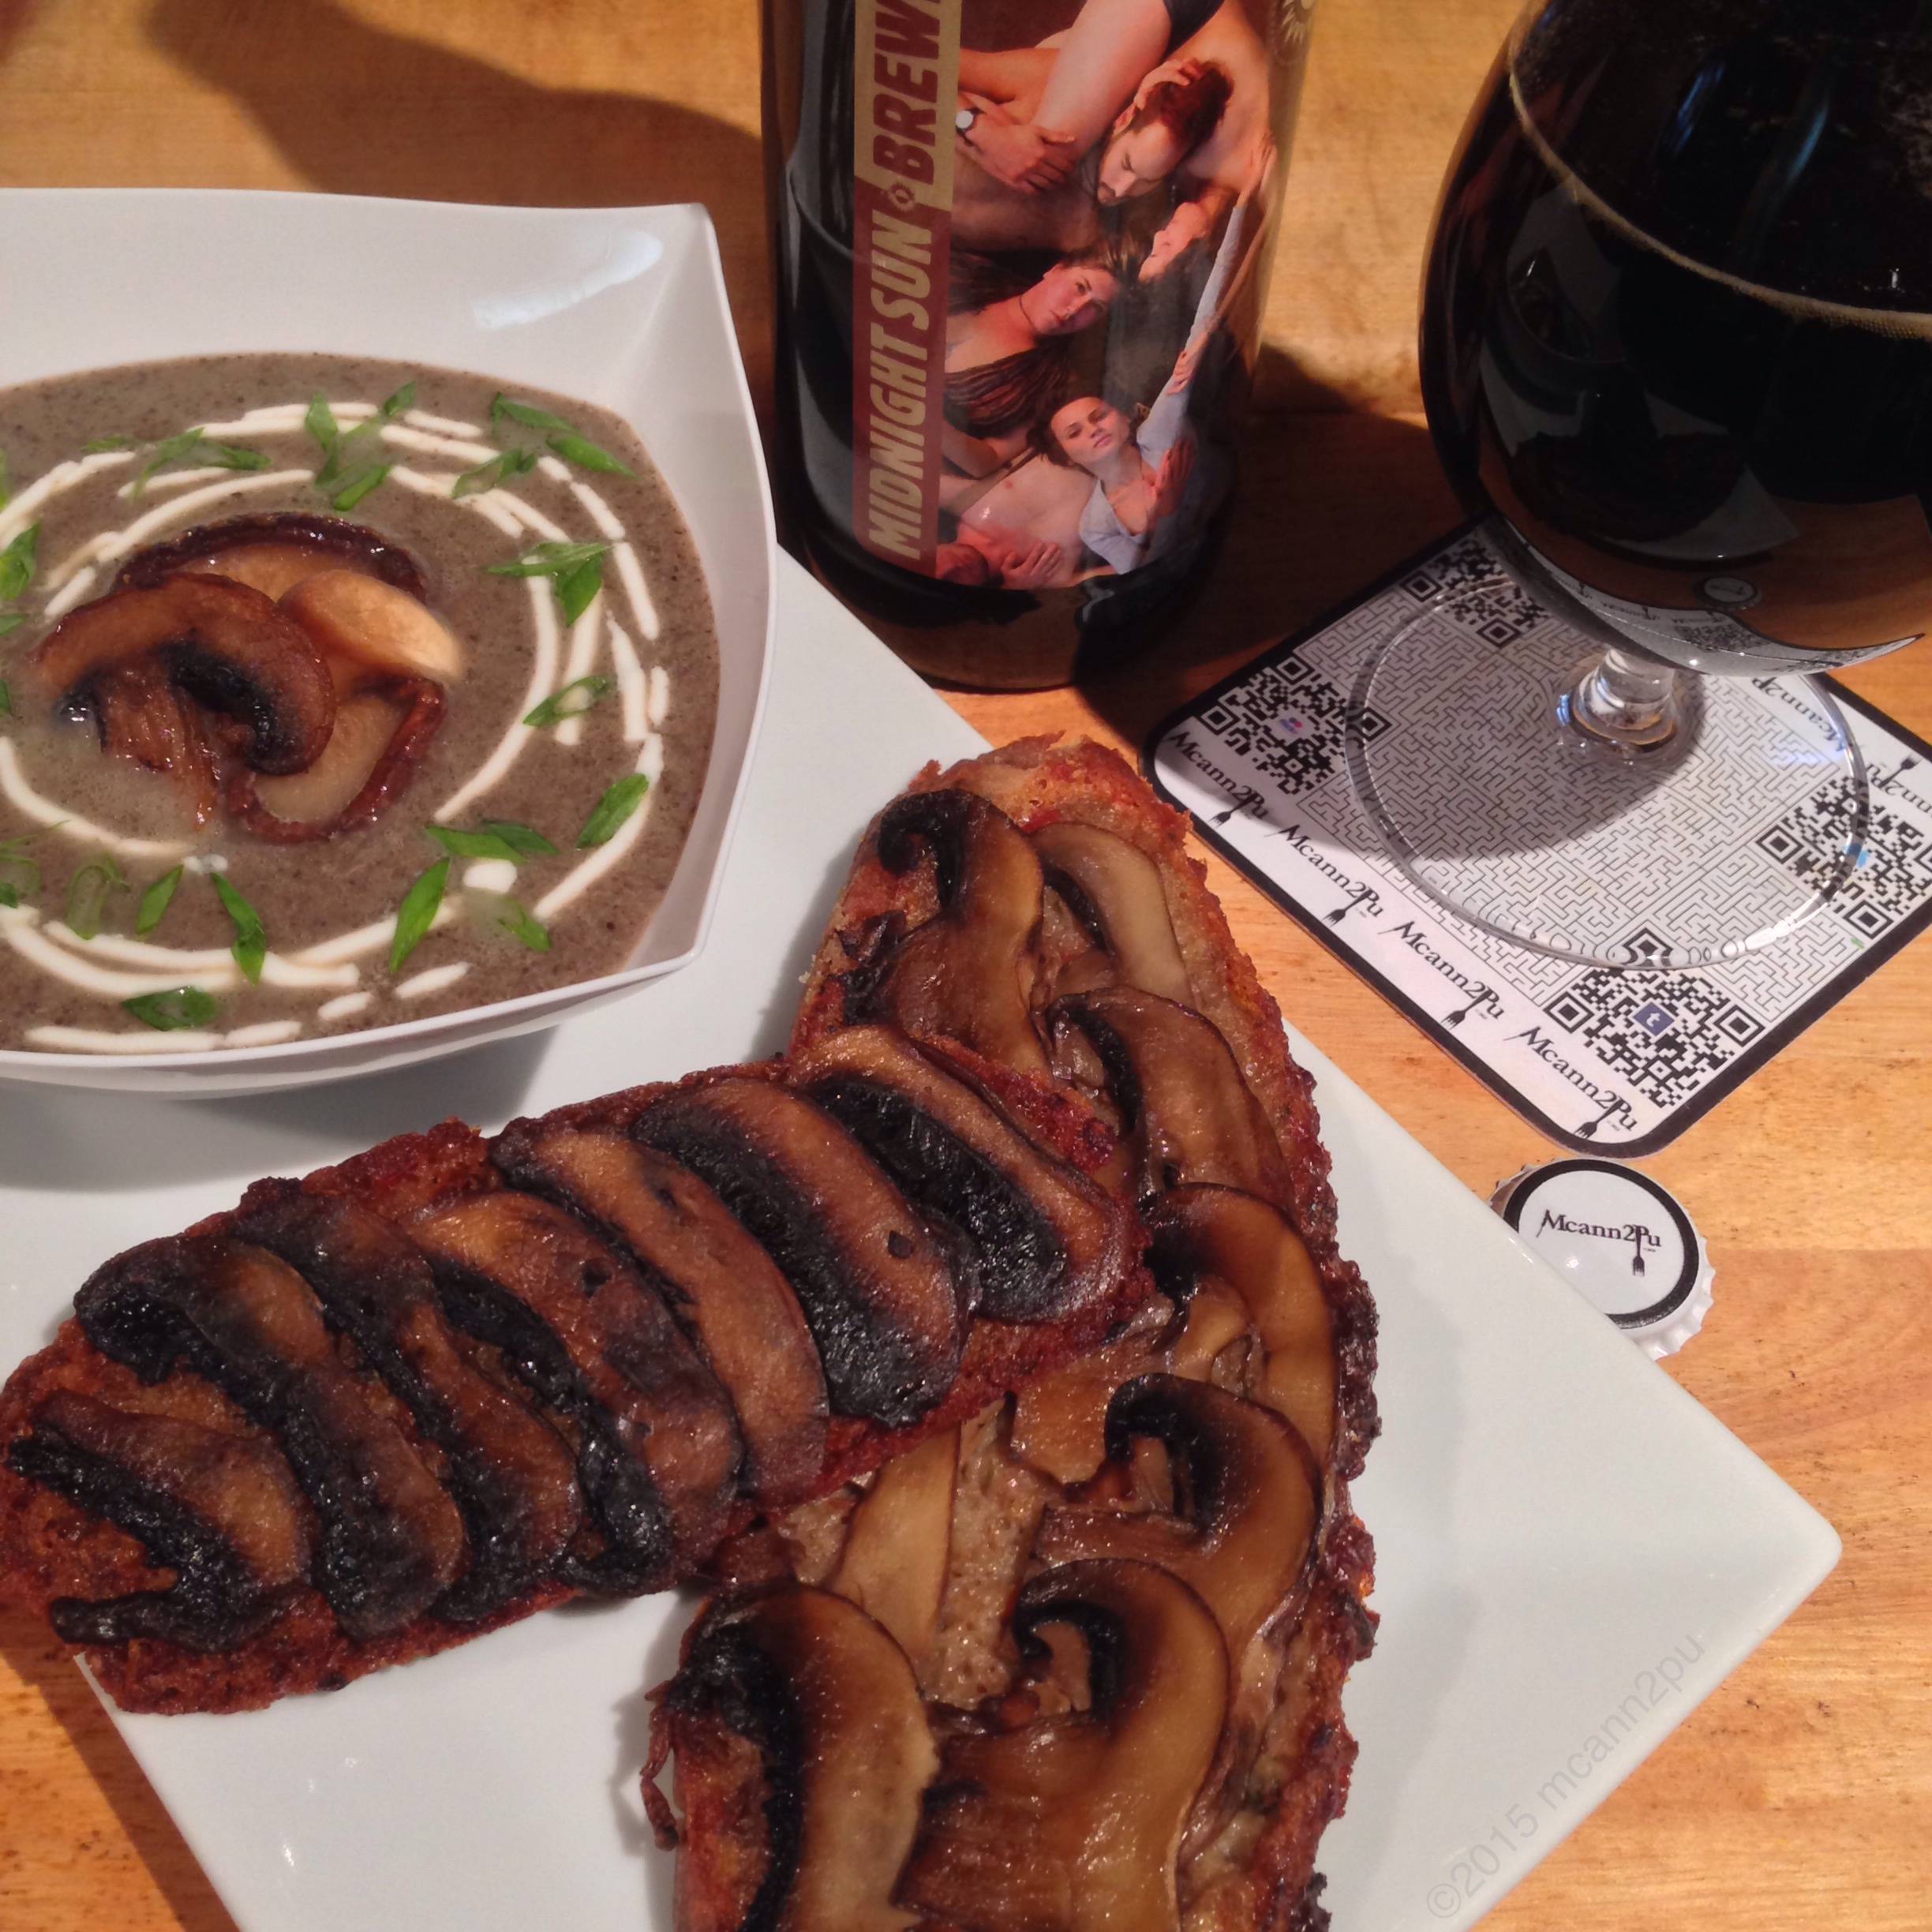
{"x": 1090, "y": 186}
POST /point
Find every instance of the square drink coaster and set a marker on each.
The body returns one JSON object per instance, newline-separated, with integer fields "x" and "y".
{"x": 1618, "y": 1062}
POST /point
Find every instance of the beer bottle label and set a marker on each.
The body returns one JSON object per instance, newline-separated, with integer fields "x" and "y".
{"x": 904, "y": 79}
{"x": 1061, "y": 214}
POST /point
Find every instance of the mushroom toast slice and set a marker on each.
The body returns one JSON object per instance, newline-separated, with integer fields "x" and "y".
{"x": 1130, "y": 1596}
{"x": 381, "y": 1409}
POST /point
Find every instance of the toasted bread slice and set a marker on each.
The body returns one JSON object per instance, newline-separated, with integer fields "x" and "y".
{"x": 1036, "y": 908}
{"x": 378, "y": 1411}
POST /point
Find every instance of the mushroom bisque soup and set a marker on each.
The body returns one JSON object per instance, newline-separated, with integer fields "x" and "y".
{"x": 337, "y": 693}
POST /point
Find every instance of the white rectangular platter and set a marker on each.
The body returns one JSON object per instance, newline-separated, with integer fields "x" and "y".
{"x": 1573, "y": 1553}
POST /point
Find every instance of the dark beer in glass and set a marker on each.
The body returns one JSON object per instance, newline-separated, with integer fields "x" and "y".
{"x": 1676, "y": 352}
{"x": 1677, "y": 328}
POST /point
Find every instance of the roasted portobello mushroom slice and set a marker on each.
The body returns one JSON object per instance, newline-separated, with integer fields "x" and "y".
{"x": 1039, "y": 1237}
{"x": 724, "y": 1288}
{"x": 222, "y": 1511}
{"x": 1071, "y": 1818}
{"x": 883, "y": 1296}
{"x": 658, "y": 1447}
{"x": 802, "y": 1749}
{"x": 968, "y": 972}
{"x": 391, "y": 1541}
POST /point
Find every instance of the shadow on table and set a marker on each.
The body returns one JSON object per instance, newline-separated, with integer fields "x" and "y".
{"x": 43, "y": 1665}
{"x": 79, "y": 1141}
{"x": 14, "y": 15}
{"x": 1329, "y": 499}
{"x": 358, "y": 110}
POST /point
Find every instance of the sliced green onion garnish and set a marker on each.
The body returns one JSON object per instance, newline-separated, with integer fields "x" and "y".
{"x": 487, "y": 476}
{"x": 612, "y": 809}
{"x": 232, "y": 456}
{"x": 360, "y": 485}
{"x": 588, "y": 455}
{"x": 155, "y": 900}
{"x": 17, "y": 563}
{"x": 573, "y": 700}
{"x": 521, "y": 837}
{"x": 519, "y": 924}
{"x": 320, "y": 423}
{"x": 168, "y": 1012}
{"x": 418, "y": 908}
{"x": 577, "y": 590}
{"x": 251, "y": 943}
{"x": 87, "y": 894}
{"x": 549, "y": 560}
{"x": 472, "y": 845}
{"x": 170, "y": 449}
{"x": 527, "y": 413}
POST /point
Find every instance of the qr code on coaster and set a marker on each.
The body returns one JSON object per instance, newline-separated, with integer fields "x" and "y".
{"x": 1474, "y": 590}
{"x": 1892, "y": 879}
{"x": 1287, "y": 720}
{"x": 1666, "y": 1034}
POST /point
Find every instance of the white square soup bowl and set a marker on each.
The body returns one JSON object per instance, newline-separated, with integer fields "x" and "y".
{"x": 623, "y": 307}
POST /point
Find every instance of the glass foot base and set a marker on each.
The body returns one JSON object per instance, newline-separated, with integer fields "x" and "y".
{"x": 1470, "y": 767}
{"x": 1601, "y": 728}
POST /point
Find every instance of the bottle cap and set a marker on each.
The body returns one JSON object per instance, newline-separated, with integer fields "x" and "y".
{"x": 1622, "y": 1242}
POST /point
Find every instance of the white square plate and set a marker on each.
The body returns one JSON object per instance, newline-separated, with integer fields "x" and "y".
{"x": 623, "y": 307}
{"x": 1572, "y": 1552}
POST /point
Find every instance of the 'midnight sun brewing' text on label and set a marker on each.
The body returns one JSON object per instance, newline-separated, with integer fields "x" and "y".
{"x": 906, "y": 81}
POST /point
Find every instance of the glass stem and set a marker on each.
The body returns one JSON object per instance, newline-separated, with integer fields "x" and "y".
{"x": 1623, "y": 704}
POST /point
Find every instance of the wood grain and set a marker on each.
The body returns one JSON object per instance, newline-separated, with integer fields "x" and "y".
{"x": 1796, "y": 1797}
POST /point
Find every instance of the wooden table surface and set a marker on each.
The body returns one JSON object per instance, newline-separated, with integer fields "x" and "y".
{"x": 1799, "y": 1794}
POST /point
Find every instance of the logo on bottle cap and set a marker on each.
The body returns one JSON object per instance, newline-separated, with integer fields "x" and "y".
{"x": 1624, "y": 1243}
{"x": 1729, "y": 592}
